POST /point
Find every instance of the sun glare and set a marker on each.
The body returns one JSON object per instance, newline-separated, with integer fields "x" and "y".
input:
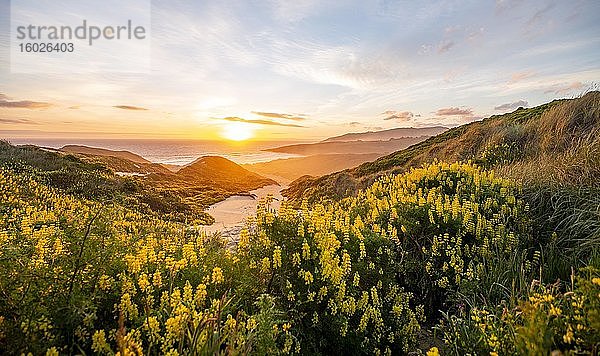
{"x": 237, "y": 131}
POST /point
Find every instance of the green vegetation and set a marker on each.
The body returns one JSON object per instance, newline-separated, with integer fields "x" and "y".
{"x": 97, "y": 174}
{"x": 93, "y": 179}
{"x": 558, "y": 142}
{"x": 452, "y": 257}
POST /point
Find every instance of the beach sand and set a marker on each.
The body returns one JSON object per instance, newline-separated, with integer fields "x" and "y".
{"x": 230, "y": 214}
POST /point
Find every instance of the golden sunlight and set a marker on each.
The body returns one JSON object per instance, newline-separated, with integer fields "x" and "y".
{"x": 237, "y": 131}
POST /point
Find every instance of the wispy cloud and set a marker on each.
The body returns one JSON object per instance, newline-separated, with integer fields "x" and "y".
{"x": 398, "y": 115}
{"x": 538, "y": 23}
{"x": 455, "y": 111}
{"x": 257, "y": 122}
{"x": 8, "y": 120}
{"x": 565, "y": 88}
{"x": 511, "y": 106}
{"x": 274, "y": 115}
{"x": 519, "y": 76}
{"x": 445, "y": 46}
{"x": 539, "y": 14}
{"x": 129, "y": 107}
{"x": 505, "y": 5}
{"x": 5, "y": 102}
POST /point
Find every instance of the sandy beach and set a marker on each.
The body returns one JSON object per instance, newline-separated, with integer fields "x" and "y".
{"x": 231, "y": 213}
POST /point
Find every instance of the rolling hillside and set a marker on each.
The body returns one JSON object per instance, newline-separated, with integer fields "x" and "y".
{"x": 103, "y": 152}
{"x": 557, "y": 141}
{"x": 317, "y": 165}
{"x": 221, "y": 172}
{"x": 96, "y": 174}
{"x": 210, "y": 173}
{"x": 119, "y": 161}
{"x": 349, "y": 147}
{"x": 385, "y": 135}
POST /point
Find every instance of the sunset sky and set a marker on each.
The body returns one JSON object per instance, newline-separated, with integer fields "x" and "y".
{"x": 308, "y": 69}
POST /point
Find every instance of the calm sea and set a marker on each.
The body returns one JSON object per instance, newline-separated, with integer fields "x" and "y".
{"x": 178, "y": 152}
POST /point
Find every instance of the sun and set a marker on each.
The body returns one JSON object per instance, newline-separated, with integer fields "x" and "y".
{"x": 237, "y": 131}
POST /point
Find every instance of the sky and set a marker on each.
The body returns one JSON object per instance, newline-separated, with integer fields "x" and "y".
{"x": 309, "y": 69}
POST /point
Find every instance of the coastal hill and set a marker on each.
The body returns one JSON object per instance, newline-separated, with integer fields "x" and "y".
{"x": 385, "y": 135}
{"x": 211, "y": 173}
{"x": 349, "y": 147}
{"x": 317, "y": 165}
{"x": 103, "y": 152}
{"x": 557, "y": 140}
{"x": 221, "y": 172}
{"x": 341, "y": 152}
{"x": 101, "y": 174}
{"x": 123, "y": 162}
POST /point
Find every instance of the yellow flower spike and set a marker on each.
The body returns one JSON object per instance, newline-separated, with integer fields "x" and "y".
{"x": 569, "y": 336}
{"x": 265, "y": 265}
{"x": 433, "y": 352}
{"x": 555, "y": 311}
{"x": 217, "y": 275}
{"x": 99, "y": 344}
{"x": 305, "y": 250}
{"x": 277, "y": 257}
{"x": 52, "y": 352}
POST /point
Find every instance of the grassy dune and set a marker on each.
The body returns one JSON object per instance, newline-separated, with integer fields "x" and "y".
{"x": 557, "y": 142}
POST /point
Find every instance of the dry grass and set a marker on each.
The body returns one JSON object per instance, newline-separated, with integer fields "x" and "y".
{"x": 562, "y": 147}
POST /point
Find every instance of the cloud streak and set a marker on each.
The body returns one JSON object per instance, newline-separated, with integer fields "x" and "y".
{"x": 257, "y": 122}
{"x": 274, "y": 115}
{"x": 129, "y": 107}
{"x": 8, "y": 120}
{"x": 445, "y": 46}
{"x": 561, "y": 89}
{"x": 454, "y": 112}
{"x": 22, "y": 104}
{"x": 519, "y": 76}
{"x": 511, "y": 106}
{"x": 398, "y": 115}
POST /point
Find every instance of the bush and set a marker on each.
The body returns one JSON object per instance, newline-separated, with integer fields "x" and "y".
{"x": 547, "y": 320}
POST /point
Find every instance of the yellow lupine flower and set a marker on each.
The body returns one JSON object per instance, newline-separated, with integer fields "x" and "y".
{"x": 433, "y": 352}
{"x": 99, "y": 344}
{"x": 217, "y": 275}
{"x": 277, "y": 257}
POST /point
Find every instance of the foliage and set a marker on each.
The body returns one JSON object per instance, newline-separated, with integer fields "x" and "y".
{"x": 95, "y": 181}
{"x": 78, "y": 275}
{"x": 548, "y": 320}
{"x": 557, "y": 143}
{"x": 425, "y": 235}
{"x": 362, "y": 275}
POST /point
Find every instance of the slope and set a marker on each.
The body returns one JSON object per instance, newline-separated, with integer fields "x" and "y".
{"x": 221, "y": 172}
{"x": 103, "y": 152}
{"x": 556, "y": 141}
{"x": 317, "y": 165}
{"x": 385, "y": 135}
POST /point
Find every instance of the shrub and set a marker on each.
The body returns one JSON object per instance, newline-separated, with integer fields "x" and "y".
{"x": 547, "y": 320}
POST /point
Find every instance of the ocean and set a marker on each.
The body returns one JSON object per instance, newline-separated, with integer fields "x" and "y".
{"x": 179, "y": 152}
